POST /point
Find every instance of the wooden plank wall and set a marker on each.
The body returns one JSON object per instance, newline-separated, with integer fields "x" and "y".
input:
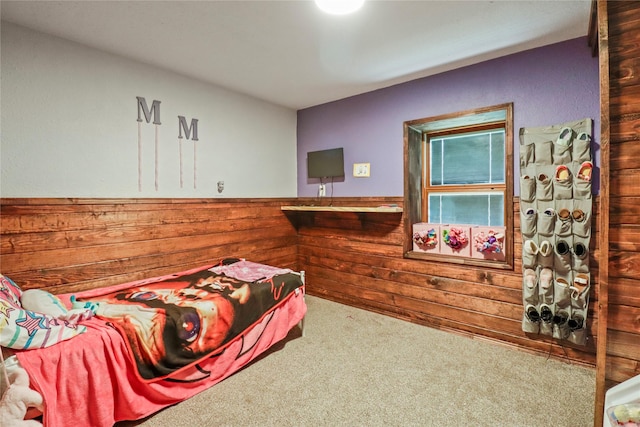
{"x": 358, "y": 260}
{"x": 623, "y": 339}
{"x": 68, "y": 245}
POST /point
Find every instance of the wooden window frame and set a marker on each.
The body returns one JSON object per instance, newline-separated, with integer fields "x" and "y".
{"x": 417, "y": 188}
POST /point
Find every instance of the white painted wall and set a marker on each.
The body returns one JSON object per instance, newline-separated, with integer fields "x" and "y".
{"x": 69, "y": 128}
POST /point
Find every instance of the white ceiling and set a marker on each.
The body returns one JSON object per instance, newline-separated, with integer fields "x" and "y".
{"x": 292, "y": 54}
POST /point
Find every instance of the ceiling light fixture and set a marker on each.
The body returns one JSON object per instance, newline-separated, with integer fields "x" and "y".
{"x": 339, "y": 7}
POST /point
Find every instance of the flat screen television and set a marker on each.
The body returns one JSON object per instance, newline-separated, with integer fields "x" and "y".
{"x": 325, "y": 163}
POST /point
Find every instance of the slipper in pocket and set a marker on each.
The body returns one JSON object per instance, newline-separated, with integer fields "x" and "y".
{"x": 563, "y": 183}
{"x": 585, "y": 171}
{"x": 546, "y": 278}
{"x": 580, "y": 291}
{"x": 580, "y": 259}
{"x": 577, "y": 327}
{"x": 543, "y": 153}
{"x": 562, "y": 256}
{"x": 582, "y": 183}
{"x": 531, "y": 319}
{"x": 581, "y": 218}
{"x": 530, "y": 286}
{"x": 565, "y": 137}
{"x": 545, "y": 253}
{"x": 562, "y": 292}
{"x": 560, "y": 324}
{"x": 582, "y": 147}
{"x": 576, "y": 321}
{"x": 544, "y": 187}
{"x": 528, "y": 221}
{"x": 562, "y": 148}
{"x": 545, "y": 286}
{"x": 529, "y": 253}
{"x": 546, "y": 319}
{"x": 546, "y": 222}
{"x": 563, "y": 222}
{"x": 527, "y": 188}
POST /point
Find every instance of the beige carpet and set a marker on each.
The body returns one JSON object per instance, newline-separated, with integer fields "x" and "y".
{"x": 356, "y": 368}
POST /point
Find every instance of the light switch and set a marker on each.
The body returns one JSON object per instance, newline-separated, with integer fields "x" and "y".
{"x": 361, "y": 170}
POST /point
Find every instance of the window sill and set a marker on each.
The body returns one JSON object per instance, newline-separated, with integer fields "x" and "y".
{"x": 500, "y": 265}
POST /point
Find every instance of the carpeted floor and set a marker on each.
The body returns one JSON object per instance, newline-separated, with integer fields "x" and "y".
{"x": 356, "y": 368}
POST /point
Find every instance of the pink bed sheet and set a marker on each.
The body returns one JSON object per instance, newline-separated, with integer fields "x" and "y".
{"x": 91, "y": 381}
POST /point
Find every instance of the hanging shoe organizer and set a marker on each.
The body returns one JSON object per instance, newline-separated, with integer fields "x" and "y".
{"x": 555, "y": 221}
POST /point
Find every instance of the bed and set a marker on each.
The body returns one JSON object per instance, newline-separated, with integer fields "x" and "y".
{"x": 145, "y": 345}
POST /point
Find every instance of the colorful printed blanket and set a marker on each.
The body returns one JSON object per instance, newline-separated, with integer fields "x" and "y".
{"x": 173, "y": 322}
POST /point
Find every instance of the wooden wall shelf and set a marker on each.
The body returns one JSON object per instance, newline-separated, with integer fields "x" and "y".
{"x": 357, "y": 209}
{"x": 304, "y": 214}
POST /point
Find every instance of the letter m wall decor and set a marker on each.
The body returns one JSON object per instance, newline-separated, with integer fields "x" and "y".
{"x": 190, "y": 132}
{"x": 143, "y": 110}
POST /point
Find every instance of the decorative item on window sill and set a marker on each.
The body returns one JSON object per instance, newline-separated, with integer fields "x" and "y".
{"x": 455, "y": 238}
{"x": 426, "y": 239}
{"x": 491, "y": 243}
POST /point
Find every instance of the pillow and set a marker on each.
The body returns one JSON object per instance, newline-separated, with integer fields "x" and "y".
{"x": 43, "y": 302}
{"x": 22, "y": 329}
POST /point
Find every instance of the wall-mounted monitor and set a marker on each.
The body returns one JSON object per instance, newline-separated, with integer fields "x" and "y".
{"x": 325, "y": 163}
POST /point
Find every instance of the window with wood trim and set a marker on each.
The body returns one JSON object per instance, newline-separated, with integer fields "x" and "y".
{"x": 458, "y": 170}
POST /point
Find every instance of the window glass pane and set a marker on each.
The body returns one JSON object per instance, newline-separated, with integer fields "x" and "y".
{"x": 434, "y": 208}
{"x": 473, "y": 158}
{"x": 436, "y": 161}
{"x": 466, "y": 208}
{"x": 466, "y": 159}
{"x": 496, "y": 209}
{"x": 497, "y": 157}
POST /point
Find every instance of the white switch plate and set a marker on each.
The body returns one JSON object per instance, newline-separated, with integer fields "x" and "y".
{"x": 361, "y": 170}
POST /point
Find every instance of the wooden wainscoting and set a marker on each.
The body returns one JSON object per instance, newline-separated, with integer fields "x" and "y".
{"x": 68, "y": 245}
{"x": 357, "y": 259}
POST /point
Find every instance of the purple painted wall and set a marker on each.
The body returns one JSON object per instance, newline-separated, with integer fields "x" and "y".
{"x": 548, "y": 85}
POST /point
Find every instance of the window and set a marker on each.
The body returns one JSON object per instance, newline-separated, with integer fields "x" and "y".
{"x": 464, "y": 179}
{"x": 458, "y": 170}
